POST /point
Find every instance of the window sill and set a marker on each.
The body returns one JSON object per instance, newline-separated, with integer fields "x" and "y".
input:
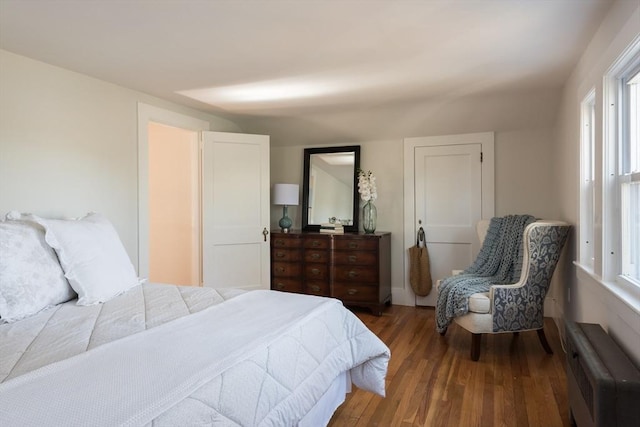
{"x": 626, "y": 292}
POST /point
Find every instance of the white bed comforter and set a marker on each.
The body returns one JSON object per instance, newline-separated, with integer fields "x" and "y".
{"x": 260, "y": 358}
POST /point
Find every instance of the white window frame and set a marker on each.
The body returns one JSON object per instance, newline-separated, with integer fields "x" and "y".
{"x": 614, "y": 175}
{"x": 629, "y": 177}
{"x": 587, "y": 181}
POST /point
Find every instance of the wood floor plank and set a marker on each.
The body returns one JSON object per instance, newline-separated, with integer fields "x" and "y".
{"x": 432, "y": 381}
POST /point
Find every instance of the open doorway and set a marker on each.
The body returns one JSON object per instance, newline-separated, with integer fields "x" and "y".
{"x": 169, "y": 189}
{"x": 174, "y": 205}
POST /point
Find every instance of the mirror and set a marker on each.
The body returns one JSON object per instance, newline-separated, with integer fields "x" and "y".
{"x": 330, "y": 190}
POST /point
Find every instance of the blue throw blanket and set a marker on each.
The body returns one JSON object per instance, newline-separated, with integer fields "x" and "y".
{"x": 499, "y": 262}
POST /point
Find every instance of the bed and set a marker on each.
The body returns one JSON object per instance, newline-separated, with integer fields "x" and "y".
{"x": 163, "y": 355}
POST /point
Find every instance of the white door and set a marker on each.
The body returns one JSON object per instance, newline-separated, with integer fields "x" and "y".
{"x": 235, "y": 215}
{"x": 451, "y": 194}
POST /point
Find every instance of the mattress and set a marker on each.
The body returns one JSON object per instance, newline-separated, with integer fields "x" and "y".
{"x": 270, "y": 376}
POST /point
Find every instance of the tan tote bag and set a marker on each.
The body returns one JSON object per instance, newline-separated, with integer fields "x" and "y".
{"x": 419, "y": 266}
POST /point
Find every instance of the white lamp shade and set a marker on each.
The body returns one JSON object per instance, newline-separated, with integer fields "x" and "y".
{"x": 285, "y": 194}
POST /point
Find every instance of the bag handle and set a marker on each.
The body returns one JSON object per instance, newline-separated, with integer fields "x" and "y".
{"x": 420, "y": 237}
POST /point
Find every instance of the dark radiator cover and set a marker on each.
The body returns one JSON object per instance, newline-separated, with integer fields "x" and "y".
{"x": 603, "y": 384}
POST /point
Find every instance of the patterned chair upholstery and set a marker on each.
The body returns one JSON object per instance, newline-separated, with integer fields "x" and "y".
{"x": 519, "y": 306}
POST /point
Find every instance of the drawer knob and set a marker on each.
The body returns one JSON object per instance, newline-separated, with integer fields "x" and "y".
{"x": 353, "y": 245}
{"x": 280, "y": 285}
{"x": 280, "y": 269}
{"x": 353, "y": 258}
{"x": 315, "y": 271}
{"x": 279, "y": 242}
{"x": 353, "y": 274}
{"x": 352, "y": 291}
{"x": 315, "y": 288}
{"x": 280, "y": 255}
{"x": 315, "y": 256}
{"x": 315, "y": 243}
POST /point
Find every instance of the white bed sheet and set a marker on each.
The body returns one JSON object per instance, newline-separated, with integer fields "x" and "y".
{"x": 321, "y": 413}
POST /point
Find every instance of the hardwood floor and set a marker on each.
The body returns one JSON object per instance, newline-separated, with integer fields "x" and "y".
{"x": 432, "y": 381}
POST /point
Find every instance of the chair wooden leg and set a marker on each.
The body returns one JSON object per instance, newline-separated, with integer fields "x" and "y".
{"x": 475, "y": 346}
{"x": 544, "y": 342}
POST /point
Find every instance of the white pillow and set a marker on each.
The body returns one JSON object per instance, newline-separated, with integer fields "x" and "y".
{"x": 92, "y": 256}
{"x": 31, "y": 278}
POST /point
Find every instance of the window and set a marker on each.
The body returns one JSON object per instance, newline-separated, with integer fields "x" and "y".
{"x": 587, "y": 175}
{"x": 629, "y": 176}
{"x": 622, "y": 170}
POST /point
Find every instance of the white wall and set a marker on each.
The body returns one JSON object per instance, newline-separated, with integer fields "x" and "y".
{"x": 523, "y": 161}
{"x": 589, "y": 300}
{"x": 68, "y": 144}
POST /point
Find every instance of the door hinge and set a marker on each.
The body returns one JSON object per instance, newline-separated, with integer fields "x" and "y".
{"x": 481, "y": 156}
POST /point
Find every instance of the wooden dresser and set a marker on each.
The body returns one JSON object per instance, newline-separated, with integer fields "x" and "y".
{"x": 353, "y": 267}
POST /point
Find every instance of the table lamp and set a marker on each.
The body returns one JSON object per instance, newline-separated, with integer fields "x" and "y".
{"x": 285, "y": 195}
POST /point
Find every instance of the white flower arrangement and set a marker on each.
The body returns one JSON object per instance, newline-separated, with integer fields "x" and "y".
{"x": 367, "y": 186}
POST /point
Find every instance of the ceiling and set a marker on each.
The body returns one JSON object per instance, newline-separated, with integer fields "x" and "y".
{"x": 274, "y": 62}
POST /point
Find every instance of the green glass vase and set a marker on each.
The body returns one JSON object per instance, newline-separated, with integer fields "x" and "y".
{"x": 369, "y": 217}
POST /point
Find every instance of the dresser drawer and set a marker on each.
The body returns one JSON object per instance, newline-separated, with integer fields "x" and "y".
{"x": 286, "y": 242}
{"x": 285, "y": 254}
{"x": 356, "y": 244}
{"x": 355, "y": 258}
{"x": 356, "y": 293}
{"x": 317, "y": 288}
{"x": 355, "y": 274}
{"x": 316, "y": 242}
{"x": 285, "y": 269}
{"x": 312, "y": 255}
{"x": 286, "y": 284}
{"x": 316, "y": 272}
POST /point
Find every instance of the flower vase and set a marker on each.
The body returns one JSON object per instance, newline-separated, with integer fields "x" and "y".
{"x": 369, "y": 217}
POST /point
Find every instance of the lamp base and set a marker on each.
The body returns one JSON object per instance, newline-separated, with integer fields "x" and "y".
{"x": 285, "y": 222}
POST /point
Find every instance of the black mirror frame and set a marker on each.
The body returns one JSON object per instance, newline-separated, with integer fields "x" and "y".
{"x": 305, "y": 185}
